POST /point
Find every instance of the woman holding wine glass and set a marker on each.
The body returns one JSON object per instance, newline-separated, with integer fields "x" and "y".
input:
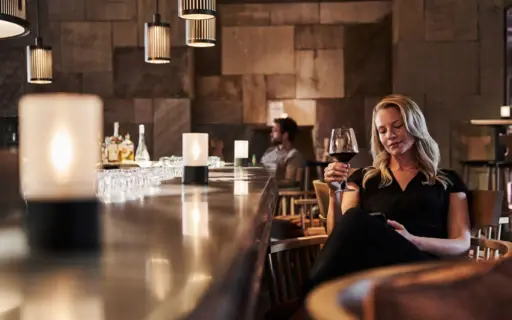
{"x": 402, "y": 209}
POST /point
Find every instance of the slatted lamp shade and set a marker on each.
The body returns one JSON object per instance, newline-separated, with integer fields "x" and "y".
{"x": 200, "y": 33}
{"x": 13, "y": 19}
{"x": 39, "y": 63}
{"x": 157, "y": 41}
{"x": 197, "y": 9}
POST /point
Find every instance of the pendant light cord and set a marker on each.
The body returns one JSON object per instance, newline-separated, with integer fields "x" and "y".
{"x": 37, "y": 18}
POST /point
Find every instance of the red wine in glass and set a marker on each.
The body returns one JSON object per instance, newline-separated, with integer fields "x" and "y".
{"x": 344, "y": 157}
{"x": 343, "y": 147}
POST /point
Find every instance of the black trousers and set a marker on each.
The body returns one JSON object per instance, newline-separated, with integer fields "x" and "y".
{"x": 359, "y": 241}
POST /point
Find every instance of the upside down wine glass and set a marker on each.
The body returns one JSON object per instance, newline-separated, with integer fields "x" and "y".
{"x": 343, "y": 147}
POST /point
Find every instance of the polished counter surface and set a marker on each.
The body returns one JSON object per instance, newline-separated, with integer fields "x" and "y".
{"x": 185, "y": 252}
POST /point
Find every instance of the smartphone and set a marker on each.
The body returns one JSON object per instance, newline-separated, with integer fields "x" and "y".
{"x": 379, "y": 215}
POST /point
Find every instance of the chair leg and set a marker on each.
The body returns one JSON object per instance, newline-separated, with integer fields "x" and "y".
{"x": 489, "y": 178}
{"x": 498, "y": 173}
{"x": 465, "y": 174}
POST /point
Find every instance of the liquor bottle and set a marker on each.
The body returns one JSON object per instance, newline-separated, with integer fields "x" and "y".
{"x": 254, "y": 161}
{"x": 101, "y": 150}
{"x": 127, "y": 149}
{"x": 113, "y": 145}
{"x": 142, "y": 153}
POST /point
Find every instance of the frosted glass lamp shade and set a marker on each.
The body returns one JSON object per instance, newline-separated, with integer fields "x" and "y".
{"x": 505, "y": 111}
{"x": 195, "y": 149}
{"x": 195, "y": 158}
{"x": 58, "y": 137}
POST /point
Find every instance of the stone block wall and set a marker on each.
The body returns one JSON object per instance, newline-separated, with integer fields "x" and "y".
{"x": 449, "y": 55}
{"x": 98, "y": 49}
{"x": 324, "y": 61}
{"x": 329, "y": 62}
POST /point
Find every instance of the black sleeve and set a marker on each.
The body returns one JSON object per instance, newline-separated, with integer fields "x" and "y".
{"x": 457, "y": 184}
{"x": 357, "y": 178}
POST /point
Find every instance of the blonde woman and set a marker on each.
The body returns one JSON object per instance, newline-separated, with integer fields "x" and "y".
{"x": 405, "y": 209}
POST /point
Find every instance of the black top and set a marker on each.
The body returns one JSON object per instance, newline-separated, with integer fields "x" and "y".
{"x": 421, "y": 208}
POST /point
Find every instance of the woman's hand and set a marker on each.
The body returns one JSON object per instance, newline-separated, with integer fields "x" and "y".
{"x": 401, "y": 229}
{"x": 335, "y": 173}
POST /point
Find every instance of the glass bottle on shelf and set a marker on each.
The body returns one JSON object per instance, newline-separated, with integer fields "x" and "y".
{"x": 113, "y": 145}
{"x": 127, "y": 149}
{"x": 101, "y": 150}
{"x": 142, "y": 153}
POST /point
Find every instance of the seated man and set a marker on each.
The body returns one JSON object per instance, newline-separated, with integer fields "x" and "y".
{"x": 288, "y": 164}
{"x": 282, "y": 157}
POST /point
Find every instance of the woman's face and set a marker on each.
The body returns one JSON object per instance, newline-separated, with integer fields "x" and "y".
{"x": 392, "y": 132}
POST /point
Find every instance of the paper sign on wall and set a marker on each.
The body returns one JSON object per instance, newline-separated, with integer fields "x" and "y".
{"x": 275, "y": 110}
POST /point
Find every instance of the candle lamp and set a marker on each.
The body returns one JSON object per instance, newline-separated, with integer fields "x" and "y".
{"x": 241, "y": 153}
{"x": 58, "y": 139}
{"x": 195, "y": 158}
{"x": 505, "y": 112}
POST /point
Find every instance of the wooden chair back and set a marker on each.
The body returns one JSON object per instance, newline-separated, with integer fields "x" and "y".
{"x": 322, "y": 194}
{"x": 288, "y": 264}
{"x": 485, "y": 208}
{"x": 486, "y": 249}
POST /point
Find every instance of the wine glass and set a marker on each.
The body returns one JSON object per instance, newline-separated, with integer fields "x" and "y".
{"x": 343, "y": 147}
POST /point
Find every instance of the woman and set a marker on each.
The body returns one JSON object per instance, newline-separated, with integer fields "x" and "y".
{"x": 425, "y": 207}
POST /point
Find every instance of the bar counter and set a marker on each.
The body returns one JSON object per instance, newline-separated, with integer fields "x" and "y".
{"x": 185, "y": 252}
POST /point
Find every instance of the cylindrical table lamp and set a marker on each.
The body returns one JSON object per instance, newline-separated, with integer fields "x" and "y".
{"x": 195, "y": 158}
{"x": 241, "y": 153}
{"x": 58, "y": 158}
{"x": 505, "y": 112}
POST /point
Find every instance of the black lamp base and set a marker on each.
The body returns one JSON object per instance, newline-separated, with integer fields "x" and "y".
{"x": 241, "y": 162}
{"x": 195, "y": 175}
{"x": 63, "y": 226}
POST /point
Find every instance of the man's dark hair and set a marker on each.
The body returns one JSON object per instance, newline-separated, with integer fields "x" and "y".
{"x": 289, "y": 126}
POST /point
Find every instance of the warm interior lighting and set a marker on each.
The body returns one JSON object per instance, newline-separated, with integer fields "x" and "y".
{"x": 195, "y": 214}
{"x": 241, "y": 184}
{"x": 159, "y": 277}
{"x": 39, "y": 63}
{"x": 195, "y": 149}
{"x": 195, "y": 158}
{"x": 39, "y": 58}
{"x": 505, "y": 111}
{"x": 64, "y": 127}
{"x": 58, "y": 170}
{"x": 157, "y": 40}
{"x": 13, "y": 19}
{"x": 200, "y": 33}
{"x": 241, "y": 149}
{"x": 197, "y": 9}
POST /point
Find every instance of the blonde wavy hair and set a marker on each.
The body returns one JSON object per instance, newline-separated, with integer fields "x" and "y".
{"x": 426, "y": 150}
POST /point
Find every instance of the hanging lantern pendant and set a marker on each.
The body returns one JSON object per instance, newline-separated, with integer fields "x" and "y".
{"x": 197, "y": 9}
{"x": 157, "y": 41}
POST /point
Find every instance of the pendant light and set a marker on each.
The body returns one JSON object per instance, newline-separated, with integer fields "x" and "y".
{"x": 13, "y": 19}
{"x": 200, "y": 33}
{"x": 39, "y": 59}
{"x": 157, "y": 40}
{"x": 197, "y": 9}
